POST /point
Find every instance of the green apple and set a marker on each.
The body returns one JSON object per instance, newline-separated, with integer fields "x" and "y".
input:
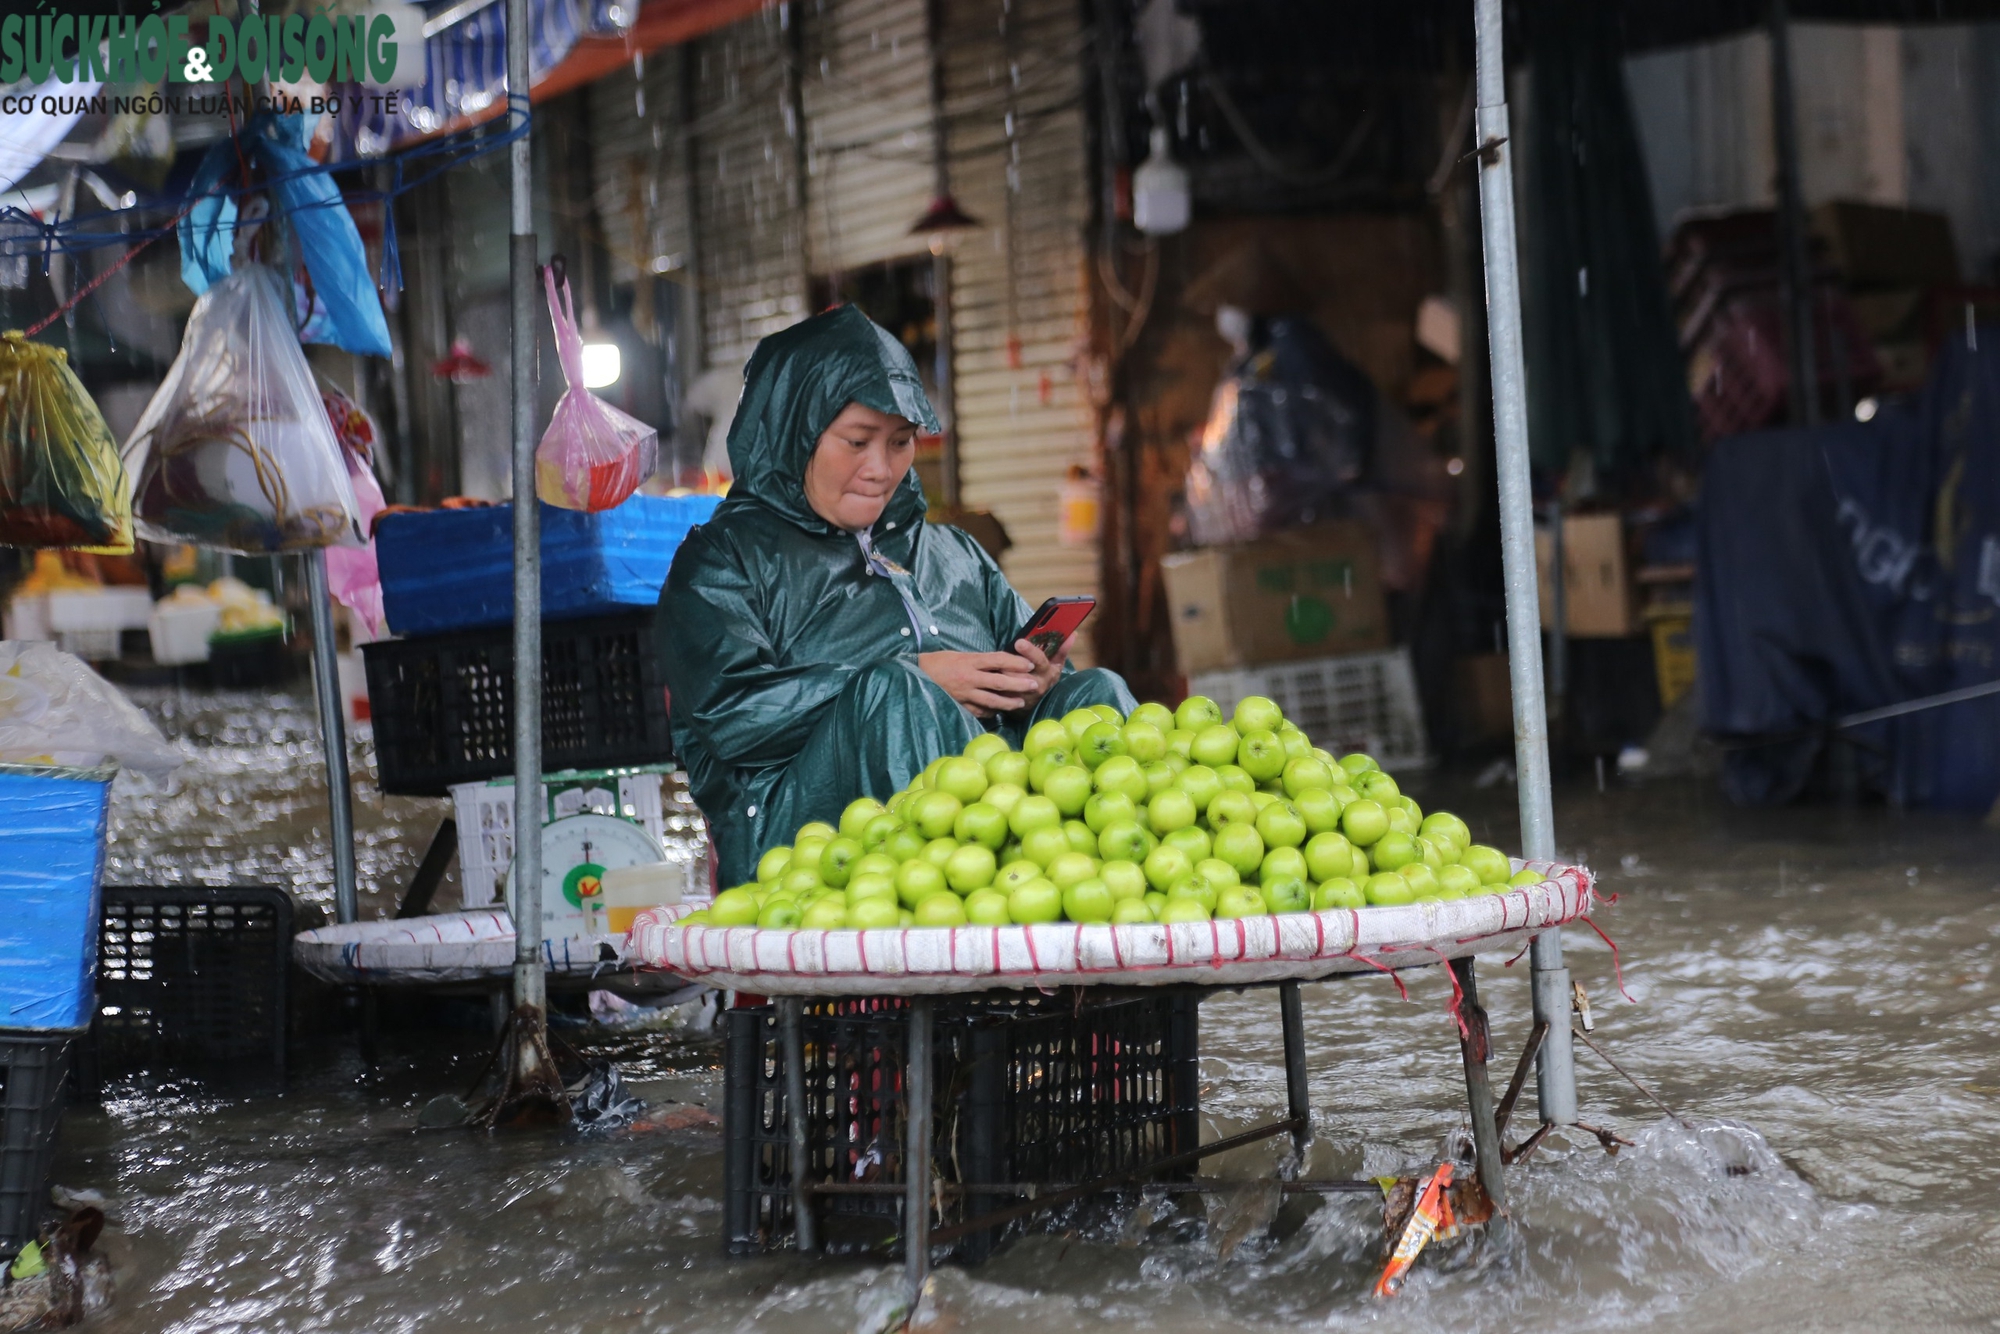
{"x": 1214, "y": 745}
{"x": 1416, "y": 812}
{"x": 1216, "y": 872}
{"x": 1099, "y": 743}
{"x": 1079, "y": 836}
{"x": 1261, "y": 756}
{"x": 1488, "y": 863}
{"x": 1160, "y": 775}
{"x": 818, "y": 829}
{"x": 874, "y": 913}
{"x": 800, "y": 880}
{"x": 1357, "y": 764}
{"x": 1240, "y": 847}
{"x": 1255, "y": 713}
{"x": 1153, "y": 715}
{"x": 1281, "y": 825}
{"x": 1305, "y": 774}
{"x": 873, "y": 863}
{"x": 733, "y": 907}
{"x": 1262, "y": 799}
{"x": 1433, "y": 857}
{"x": 1319, "y": 808}
{"x": 1145, "y": 742}
{"x": 1393, "y": 851}
{"x": 1033, "y": 812}
{"x": 806, "y": 852}
{"x": 836, "y": 863}
{"x": 1130, "y": 912}
{"x": 1122, "y": 840}
{"x": 1044, "y": 764}
{"x": 773, "y": 863}
{"x": 1009, "y": 766}
{"x": 1197, "y": 887}
{"x": 1180, "y": 742}
{"x": 1230, "y": 807}
{"x": 1445, "y": 825}
{"x": 1171, "y": 810}
{"x": 1154, "y": 902}
{"x": 1386, "y": 889}
{"x": 1164, "y": 865}
{"x": 1193, "y": 840}
{"x": 1240, "y": 901}
{"x": 1124, "y": 879}
{"x": 1044, "y": 845}
{"x": 930, "y": 770}
{"x": 1070, "y": 867}
{"x": 1282, "y": 864}
{"x": 828, "y": 914}
{"x": 1399, "y": 820}
{"x": 1012, "y": 875}
{"x": 1459, "y": 881}
{"x": 1363, "y": 868}
{"x": 946, "y": 909}
{"x": 970, "y": 867}
{"x": 1078, "y": 721}
{"x": 1286, "y": 893}
{"x": 1122, "y": 773}
{"x": 1108, "y": 714}
{"x": 1108, "y": 808}
{"x": 917, "y": 880}
{"x": 1183, "y": 910}
{"x": 1088, "y": 900}
{"x": 1364, "y": 822}
{"x": 1069, "y": 788}
{"x": 901, "y": 799}
{"x": 1178, "y": 762}
{"x": 856, "y": 816}
{"x": 880, "y": 830}
{"x": 1378, "y": 786}
{"x": 983, "y": 823}
{"x": 985, "y": 746}
{"x": 1010, "y": 851}
{"x": 1522, "y": 879}
{"x": 1338, "y": 892}
{"x": 1003, "y": 797}
{"x": 963, "y": 778}
{"x": 934, "y": 813}
{"x": 905, "y": 918}
{"x": 871, "y": 885}
{"x": 1235, "y": 778}
{"x": 1298, "y": 746}
{"x": 1329, "y": 856}
{"x": 1422, "y": 879}
{"x": 985, "y": 907}
{"x": 779, "y": 915}
{"x": 1200, "y": 783}
{"x": 1196, "y": 712}
{"x": 1036, "y": 901}
{"x": 1045, "y": 735}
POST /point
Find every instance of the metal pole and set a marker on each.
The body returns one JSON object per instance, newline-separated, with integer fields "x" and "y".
{"x": 530, "y": 995}
{"x": 1475, "y": 1045}
{"x": 1556, "y": 1073}
{"x": 917, "y": 1150}
{"x": 333, "y": 738}
{"x": 1794, "y": 264}
{"x": 791, "y": 1026}
{"x": 1298, "y": 1101}
{"x": 941, "y": 368}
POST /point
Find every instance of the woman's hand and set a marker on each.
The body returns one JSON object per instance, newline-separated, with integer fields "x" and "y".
{"x": 1047, "y": 669}
{"x": 986, "y": 683}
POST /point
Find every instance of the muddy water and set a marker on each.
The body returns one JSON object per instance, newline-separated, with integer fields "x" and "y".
{"x": 1815, "y": 995}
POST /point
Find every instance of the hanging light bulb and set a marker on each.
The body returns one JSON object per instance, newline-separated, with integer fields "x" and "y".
{"x": 1161, "y": 202}
{"x": 601, "y": 365}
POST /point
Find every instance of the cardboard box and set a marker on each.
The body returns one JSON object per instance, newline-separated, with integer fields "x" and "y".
{"x": 1485, "y": 697}
{"x": 1597, "y": 584}
{"x": 1312, "y": 593}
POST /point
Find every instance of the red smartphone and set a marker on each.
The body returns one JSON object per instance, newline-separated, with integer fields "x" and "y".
{"x": 1053, "y": 622}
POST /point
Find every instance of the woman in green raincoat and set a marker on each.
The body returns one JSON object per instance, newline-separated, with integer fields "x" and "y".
{"x": 821, "y": 640}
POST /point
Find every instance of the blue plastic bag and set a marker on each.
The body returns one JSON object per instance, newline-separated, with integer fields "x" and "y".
{"x": 51, "y": 863}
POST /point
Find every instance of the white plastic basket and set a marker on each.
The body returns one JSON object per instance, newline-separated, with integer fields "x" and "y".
{"x": 485, "y": 813}
{"x": 1361, "y": 701}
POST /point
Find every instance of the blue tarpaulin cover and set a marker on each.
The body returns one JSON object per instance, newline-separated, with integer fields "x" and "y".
{"x": 454, "y": 569}
{"x": 1855, "y": 565}
{"x": 51, "y": 858}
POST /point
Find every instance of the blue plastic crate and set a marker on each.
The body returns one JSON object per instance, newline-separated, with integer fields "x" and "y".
{"x": 51, "y": 861}
{"x": 454, "y": 569}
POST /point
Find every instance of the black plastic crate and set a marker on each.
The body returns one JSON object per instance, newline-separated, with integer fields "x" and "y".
{"x": 34, "y": 1069}
{"x": 1028, "y": 1089}
{"x": 443, "y": 705}
{"x": 191, "y": 979}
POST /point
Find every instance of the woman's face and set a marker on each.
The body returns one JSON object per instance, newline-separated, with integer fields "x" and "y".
{"x": 857, "y": 465}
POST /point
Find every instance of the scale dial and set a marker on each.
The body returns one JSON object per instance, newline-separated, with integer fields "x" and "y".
{"x": 576, "y": 852}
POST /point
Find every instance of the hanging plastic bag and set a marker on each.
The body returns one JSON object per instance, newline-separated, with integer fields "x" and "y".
{"x": 57, "y": 714}
{"x": 352, "y": 576}
{"x": 61, "y": 483}
{"x": 235, "y": 450}
{"x": 592, "y": 456}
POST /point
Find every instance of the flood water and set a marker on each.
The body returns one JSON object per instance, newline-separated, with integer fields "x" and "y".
{"x": 1813, "y": 992}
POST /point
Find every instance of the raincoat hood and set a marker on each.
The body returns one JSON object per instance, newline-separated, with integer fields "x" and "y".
{"x": 797, "y": 382}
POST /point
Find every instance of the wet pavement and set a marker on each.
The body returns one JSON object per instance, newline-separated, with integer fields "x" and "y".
{"x": 1814, "y": 993}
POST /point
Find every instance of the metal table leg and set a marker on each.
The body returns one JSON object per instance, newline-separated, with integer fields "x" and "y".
{"x": 917, "y": 1149}
{"x": 1474, "y": 1043}
{"x": 1298, "y": 1104}
{"x": 791, "y": 1024}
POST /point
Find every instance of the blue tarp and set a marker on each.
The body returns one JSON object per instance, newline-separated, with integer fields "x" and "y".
{"x": 454, "y": 569}
{"x": 1856, "y": 565}
{"x": 51, "y": 858}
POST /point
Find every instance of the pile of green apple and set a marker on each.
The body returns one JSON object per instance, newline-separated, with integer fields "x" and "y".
{"x": 1170, "y": 815}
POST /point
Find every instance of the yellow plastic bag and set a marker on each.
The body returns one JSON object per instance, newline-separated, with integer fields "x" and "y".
{"x": 61, "y": 481}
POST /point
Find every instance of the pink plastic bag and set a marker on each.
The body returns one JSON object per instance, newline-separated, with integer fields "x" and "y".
{"x": 352, "y": 577}
{"x": 592, "y": 456}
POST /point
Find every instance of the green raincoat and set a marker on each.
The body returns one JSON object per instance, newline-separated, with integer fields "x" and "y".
{"x": 790, "y": 645}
